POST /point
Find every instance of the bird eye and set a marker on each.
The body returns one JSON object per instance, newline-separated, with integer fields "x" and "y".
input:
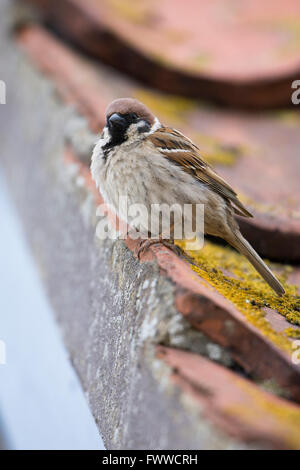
{"x": 134, "y": 117}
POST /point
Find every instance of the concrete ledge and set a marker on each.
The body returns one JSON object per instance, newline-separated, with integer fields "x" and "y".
{"x": 125, "y": 322}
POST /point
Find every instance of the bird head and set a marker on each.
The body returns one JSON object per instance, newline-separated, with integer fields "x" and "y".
{"x": 127, "y": 118}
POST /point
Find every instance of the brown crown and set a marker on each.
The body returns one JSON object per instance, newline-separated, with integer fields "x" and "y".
{"x": 130, "y": 105}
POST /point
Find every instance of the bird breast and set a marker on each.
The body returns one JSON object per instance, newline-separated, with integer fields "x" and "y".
{"x": 144, "y": 176}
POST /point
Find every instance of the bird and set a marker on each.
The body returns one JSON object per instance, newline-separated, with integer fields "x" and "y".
{"x": 138, "y": 158}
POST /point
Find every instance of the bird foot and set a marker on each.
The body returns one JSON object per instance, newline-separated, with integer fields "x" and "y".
{"x": 145, "y": 244}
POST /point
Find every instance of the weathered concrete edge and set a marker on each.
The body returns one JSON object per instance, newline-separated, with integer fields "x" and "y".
{"x": 34, "y": 190}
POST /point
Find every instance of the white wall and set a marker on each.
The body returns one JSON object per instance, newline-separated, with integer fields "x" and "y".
{"x": 41, "y": 403}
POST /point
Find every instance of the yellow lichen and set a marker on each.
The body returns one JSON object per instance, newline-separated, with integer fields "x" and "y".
{"x": 292, "y": 333}
{"x": 272, "y": 209}
{"x": 288, "y": 117}
{"x": 217, "y": 152}
{"x": 172, "y": 109}
{"x": 200, "y": 61}
{"x": 258, "y": 206}
{"x": 285, "y": 417}
{"x": 134, "y": 12}
{"x": 176, "y": 111}
{"x": 233, "y": 276}
{"x": 290, "y": 30}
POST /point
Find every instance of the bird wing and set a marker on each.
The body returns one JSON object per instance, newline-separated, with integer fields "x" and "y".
{"x": 183, "y": 152}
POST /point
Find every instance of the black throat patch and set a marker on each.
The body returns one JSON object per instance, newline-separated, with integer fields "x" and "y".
{"x": 115, "y": 139}
{"x": 118, "y": 132}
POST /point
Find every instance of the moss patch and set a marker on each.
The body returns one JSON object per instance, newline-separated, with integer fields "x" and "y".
{"x": 233, "y": 277}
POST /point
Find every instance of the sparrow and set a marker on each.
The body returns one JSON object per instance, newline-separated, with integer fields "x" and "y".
{"x": 139, "y": 158}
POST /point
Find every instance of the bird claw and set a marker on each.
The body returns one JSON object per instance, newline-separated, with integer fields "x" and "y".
{"x": 145, "y": 244}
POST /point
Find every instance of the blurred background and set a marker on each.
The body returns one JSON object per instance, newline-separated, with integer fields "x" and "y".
{"x": 42, "y": 405}
{"x": 224, "y": 72}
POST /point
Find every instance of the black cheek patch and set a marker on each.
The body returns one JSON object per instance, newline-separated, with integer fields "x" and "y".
{"x": 145, "y": 128}
{"x": 118, "y": 134}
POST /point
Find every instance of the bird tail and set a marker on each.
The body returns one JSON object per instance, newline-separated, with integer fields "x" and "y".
{"x": 238, "y": 241}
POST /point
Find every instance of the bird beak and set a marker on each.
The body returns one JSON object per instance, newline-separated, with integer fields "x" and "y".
{"x": 116, "y": 121}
